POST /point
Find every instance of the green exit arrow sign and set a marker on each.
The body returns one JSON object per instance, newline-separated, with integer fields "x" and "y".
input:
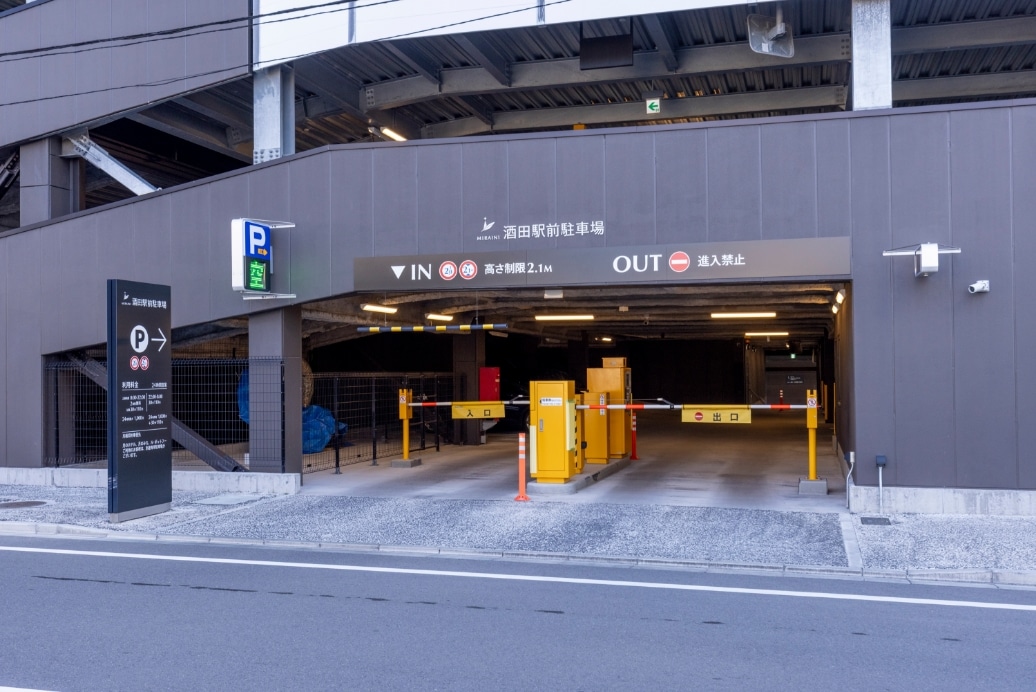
{"x": 654, "y": 106}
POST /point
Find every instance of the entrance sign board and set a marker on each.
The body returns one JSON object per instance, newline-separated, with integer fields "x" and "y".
{"x": 551, "y": 266}
{"x": 140, "y": 457}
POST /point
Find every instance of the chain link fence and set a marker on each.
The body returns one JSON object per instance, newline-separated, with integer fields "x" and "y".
{"x": 210, "y": 400}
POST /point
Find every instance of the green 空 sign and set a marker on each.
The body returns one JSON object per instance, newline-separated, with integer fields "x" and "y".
{"x": 258, "y": 277}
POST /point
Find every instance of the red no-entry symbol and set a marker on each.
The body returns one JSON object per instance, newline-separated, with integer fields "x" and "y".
{"x": 679, "y": 261}
{"x": 698, "y": 416}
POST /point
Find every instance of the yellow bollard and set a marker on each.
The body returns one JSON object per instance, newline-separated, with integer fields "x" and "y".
{"x": 811, "y": 424}
{"x": 405, "y": 414}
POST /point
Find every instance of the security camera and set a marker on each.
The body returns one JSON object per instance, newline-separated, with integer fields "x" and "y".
{"x": 979, "y": 287}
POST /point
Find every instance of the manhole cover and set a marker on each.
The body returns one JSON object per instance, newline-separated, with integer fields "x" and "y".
{"x": 875, "y": 521}
{"x": 21, "y": 505}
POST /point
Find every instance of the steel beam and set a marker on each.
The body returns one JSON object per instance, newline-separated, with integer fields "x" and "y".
{"x": 988, "y": 33}
{"x": 403, "y": 52}
{"x": 82, "y": 145}
{"x": 498, "y": 66}
{"x": 181, "y": 125}
{"x": 965, "y": 86}
{"x": 695, "y": 107}
{"x": 551, "y": 74}
{"x": 657, "y": 32}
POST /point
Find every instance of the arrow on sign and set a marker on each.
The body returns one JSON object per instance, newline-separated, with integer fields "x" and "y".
{"x": 162, "y": 339}
{"x": 397, "y": 269}
{"x": 654, "y": 105}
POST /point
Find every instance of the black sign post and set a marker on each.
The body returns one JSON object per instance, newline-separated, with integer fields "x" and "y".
{"x": 140, "y": 368}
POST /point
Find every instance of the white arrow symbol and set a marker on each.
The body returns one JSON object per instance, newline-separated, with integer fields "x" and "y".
{"x": 397, "y": 269}
{"x": 162, "y": 339}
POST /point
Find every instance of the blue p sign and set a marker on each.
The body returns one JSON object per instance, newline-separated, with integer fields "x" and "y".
{"x": 257, "y": 241}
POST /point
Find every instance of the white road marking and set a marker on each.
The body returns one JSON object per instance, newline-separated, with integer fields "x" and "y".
{"x": 533, "y": 578}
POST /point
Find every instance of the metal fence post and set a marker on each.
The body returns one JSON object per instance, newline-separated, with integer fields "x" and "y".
{"x": 334, "y": 436}
{"x": 374, "y": 422}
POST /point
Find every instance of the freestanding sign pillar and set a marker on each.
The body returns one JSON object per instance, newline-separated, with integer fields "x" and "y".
{"x": 140, "y": 368}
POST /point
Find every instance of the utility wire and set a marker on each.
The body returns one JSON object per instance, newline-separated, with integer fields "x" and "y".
{"x": 163, "y": 82}
{"x": 174, "y": 33}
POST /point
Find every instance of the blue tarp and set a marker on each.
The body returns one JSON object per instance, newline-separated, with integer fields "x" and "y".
{"x": 318, "y": 425}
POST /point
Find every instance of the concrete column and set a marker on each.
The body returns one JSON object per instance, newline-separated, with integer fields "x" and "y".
{"x": 275, "y": 391}
{"x": 46, "y": 182}
{"x": 469, "y": 354}
{"x": 872, "y": 55}
{"x": 273, "y": 113}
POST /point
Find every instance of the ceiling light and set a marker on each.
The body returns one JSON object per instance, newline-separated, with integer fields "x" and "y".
{"x": 766, "y": 333}
{"x": 741, "y": 315}
{"x": 562, "y": 318}
{"x": 438, "y": 317}
{"x": 607, "y": 339}
{"x": 840, "y": 296}
{"x": 386, "y": 133}
{"x": 834, "y": 308}
{"x": 553, "y": 294}
{"x": 374, "y": 307}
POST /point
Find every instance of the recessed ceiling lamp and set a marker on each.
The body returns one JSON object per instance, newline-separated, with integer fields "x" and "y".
{"x": 840, "y": 296}
{"x": 834, "y": 308}
{"x": 606, "y": 339}
{"x": 553, "y": 294}
{"x": 766, "y": 333}
{"x": 741, "y": 315}
{"x": 562, "y": 318}
{"x": 439, "y": 318}
{"x": 374, "y": 307}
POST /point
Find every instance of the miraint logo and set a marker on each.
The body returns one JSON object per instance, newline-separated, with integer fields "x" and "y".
{"x": 487, "y": 226}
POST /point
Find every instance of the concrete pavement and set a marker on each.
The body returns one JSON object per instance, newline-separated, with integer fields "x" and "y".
{"x": 700, "y": 497}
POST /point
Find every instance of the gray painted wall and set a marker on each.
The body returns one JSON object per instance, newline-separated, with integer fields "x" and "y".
{"x": 931, "y": 376}
{"x": 49, "y": 94}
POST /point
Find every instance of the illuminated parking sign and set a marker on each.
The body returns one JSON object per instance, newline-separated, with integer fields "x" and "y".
{"x": 251, "y": 249}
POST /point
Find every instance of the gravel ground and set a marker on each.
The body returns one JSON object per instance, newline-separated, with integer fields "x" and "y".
{"x": 925, "y": 541}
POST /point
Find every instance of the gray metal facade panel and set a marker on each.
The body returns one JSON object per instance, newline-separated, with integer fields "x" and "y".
{"x": 984, "y": 339}
{"x": 121, "y": 73}
{"x": 788, "y": 164}
{"x": 923, "y": 308}
{"x": 67, "y": 246}
{"x": 129, "y": 65}
{"x": 352, "y": 213}
{"x": 93, "y": 68}
{"x": 531, "y": 186}
{"x": 310, "y": 240}
{"x": 190, "y": 252}
{"x": 485, "y": 199}
{"x": 153, "y": 234}
{"x": 440, "y": 198}
{"x": 629, "y": 183}
{"x": 834, "y": 182}
{"x": 166, "y": 60}
{"x": 681, "y": 186}
{"x": 920, "y": 179}
{"x": 734, "y": 195}
{"x": 229, "y": 199}
{"x": 394, "y": 177}
{"x": 57, "y": 71}
{"x": 269, "y": 197}
{"x": 872, "y": 301}
{"x": 1023, "y": 172}
{"x": 209, "y": 50}
{"x": 24, "y": 386}
{"x": 581, "y": 186}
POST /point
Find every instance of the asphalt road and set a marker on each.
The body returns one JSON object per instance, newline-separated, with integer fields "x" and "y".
{"x": 124, "y": 615}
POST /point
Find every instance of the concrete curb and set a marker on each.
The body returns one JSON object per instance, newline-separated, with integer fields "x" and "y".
{"x": 945, "y": 577}
{"x": 197, "y": 481}
{"x": 580, "y": 482}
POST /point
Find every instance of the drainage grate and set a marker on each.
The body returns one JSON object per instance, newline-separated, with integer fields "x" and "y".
{"x": 875, "y": 521}
{"x": 21, "y": 505}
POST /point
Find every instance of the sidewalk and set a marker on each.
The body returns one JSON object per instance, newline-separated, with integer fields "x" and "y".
{"x": 922, "y": 548}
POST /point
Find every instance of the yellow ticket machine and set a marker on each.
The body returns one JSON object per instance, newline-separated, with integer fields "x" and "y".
{"x": 593, "y": 429}
{"x": 614, "y": 380}
{"x": 552, "y": 431}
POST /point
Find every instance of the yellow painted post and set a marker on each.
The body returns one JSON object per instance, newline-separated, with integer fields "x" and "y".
{"x": 811, "y": 424}
{"x": 405, "y": 414}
